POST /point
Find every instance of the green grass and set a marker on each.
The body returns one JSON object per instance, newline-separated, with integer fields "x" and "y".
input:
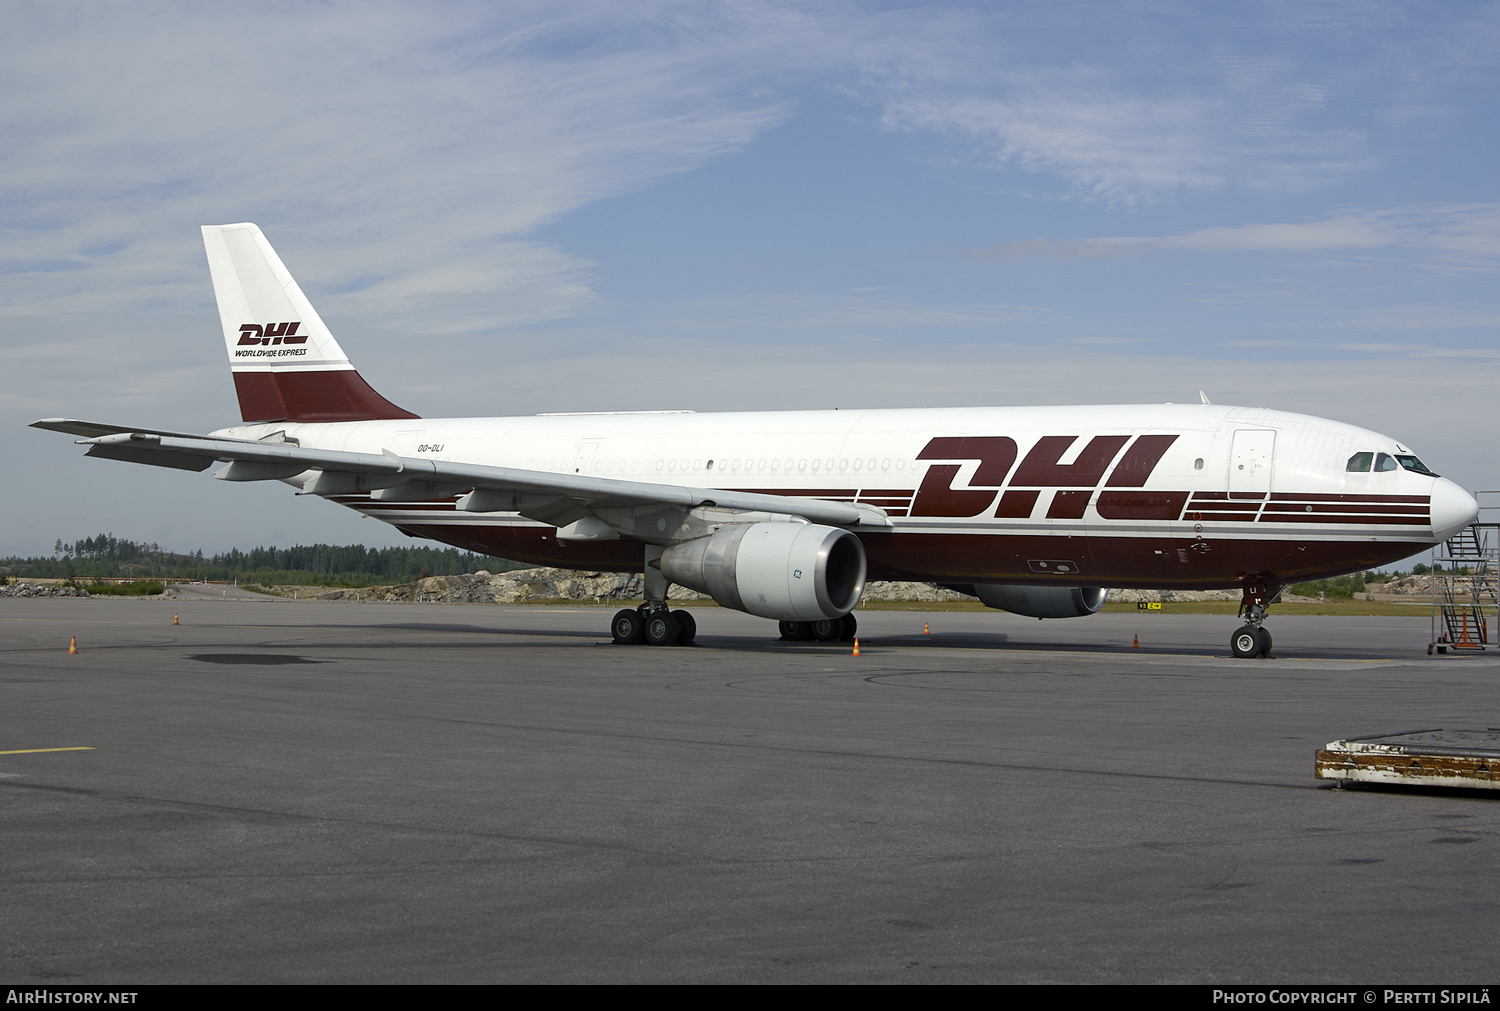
{"x": 135, "y": 588}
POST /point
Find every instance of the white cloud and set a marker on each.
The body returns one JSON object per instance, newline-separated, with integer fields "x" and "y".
{"x": 402, "y": 151}
{"x": 1460, "y": 235}
{"x": 1131, "y": 103}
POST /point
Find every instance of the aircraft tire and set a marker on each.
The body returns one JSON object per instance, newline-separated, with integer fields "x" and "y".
{"x": 687, "y": 627}
{"x": 795, "y": 631}
{"x": 1245, "y": 643}
{"x": 661, "y": 629}
{"x": 1264, "y": 635}
{"x": 826, "y": 629}
{"x": 848, "y": 628}
{"x": 628, "y": 628}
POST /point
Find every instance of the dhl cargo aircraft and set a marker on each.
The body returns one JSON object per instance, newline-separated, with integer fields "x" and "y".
{"x": 1036, "y": 510}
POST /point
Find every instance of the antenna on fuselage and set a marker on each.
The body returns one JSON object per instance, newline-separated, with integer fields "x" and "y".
{"x": 1203, "y": 397}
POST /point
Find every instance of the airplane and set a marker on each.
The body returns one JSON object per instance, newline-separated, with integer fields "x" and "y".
{"x": 1034, "y": 510}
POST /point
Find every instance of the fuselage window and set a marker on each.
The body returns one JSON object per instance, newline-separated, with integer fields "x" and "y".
{"x": 1359, "y": 463}
{"x": 1411, "y": 463}
{"x": 1384, "y": 463}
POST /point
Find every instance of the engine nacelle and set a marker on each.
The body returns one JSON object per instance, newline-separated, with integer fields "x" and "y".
{"x": 787, "y": 571}
{"x": 1041, "y": 601}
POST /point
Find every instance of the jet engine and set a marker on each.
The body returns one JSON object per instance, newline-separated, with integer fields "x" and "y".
{"x": 1041, "y": 601}
{"x": 787, "y": 571}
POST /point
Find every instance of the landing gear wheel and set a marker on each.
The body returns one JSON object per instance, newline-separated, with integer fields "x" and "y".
{"x": 1264, "y": 634}
{"x": 849, "y": 629}
{"x": 628, "y": 628}
{"x": 1246, "y": 642}
{"x": 826, "y": 629}
{"x": 795, "y": 631}
{"x": 687, "y": 627}
{"x": 661, "y": 629}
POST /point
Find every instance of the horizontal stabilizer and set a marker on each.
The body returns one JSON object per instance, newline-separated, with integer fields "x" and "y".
{"x": 94, "y": 429}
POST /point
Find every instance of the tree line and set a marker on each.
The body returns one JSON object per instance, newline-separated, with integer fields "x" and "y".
{"x": 106, "y": 556}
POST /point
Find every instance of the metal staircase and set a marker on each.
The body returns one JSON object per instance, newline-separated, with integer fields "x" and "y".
{"x": 1466, "y": 588}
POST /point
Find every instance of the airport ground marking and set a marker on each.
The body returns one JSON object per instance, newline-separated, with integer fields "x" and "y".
{"x": 36, "y": 751}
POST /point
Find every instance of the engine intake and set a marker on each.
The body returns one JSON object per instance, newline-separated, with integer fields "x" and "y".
{"x": 1041, "y": 601}
{"x": 787, "y": 571}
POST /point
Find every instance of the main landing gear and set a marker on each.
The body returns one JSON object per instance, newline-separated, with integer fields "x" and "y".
{"x": 653, "y": 626}
{"x": 1253, "y": 639}
{"x": 653, "y": 623}
{"x": 822, "y": 630}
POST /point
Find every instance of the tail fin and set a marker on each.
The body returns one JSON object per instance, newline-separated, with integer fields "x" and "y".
{"x": 286, "y": 364}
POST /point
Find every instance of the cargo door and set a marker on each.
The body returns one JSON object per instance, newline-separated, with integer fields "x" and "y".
{"x": 1250, "y": 460}
{"x": 583, "y": 455}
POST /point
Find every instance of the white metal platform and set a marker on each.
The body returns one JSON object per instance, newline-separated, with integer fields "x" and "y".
{"x": 1459, "y": 758}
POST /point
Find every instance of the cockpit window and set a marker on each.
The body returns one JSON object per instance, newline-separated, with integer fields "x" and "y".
{"x": 1413, "y": 464}
{"x": 1359, "y": 463}
{"x": 1383, "y": 462}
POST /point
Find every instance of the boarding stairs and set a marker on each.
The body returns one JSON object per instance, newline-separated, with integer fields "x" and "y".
{"x": 1466, "y": 590}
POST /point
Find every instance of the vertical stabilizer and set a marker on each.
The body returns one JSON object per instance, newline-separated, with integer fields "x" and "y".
{"x": 286, "y": 364}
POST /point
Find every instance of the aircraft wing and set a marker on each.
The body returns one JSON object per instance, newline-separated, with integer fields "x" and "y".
{"x": 552, "y": 498}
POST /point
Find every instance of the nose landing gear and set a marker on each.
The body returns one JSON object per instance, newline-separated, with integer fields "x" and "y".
{"x": 1253, "y": 639}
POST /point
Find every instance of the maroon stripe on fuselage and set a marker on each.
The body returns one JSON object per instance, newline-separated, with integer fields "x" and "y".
{"x": 1145, "y": 562}
{"x": 1399, "y": 521}
{"x": 1221, "y": 507}
{"x": 1297, "y": 496}
{"x": 1345, "y": 508}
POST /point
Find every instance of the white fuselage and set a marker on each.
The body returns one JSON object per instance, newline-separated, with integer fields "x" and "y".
{"x": 1134, "y": 495}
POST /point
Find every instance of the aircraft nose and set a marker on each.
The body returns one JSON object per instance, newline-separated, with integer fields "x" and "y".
{"x": 1452, "y": 509}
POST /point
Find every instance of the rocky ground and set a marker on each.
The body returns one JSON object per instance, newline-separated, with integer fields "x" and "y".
{"x": 41, "y": 590}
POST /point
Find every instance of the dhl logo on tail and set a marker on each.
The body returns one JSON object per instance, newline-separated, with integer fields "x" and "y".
{"x": 271, "y": 333}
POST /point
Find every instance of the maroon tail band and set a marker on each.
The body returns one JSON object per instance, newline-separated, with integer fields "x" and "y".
{"x": 311, "y": 396}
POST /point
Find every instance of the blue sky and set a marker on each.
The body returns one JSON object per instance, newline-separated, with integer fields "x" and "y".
{"x": 531, "y": 207}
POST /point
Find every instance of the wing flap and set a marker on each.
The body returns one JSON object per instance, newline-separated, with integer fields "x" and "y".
{"x": 152, "y": 456}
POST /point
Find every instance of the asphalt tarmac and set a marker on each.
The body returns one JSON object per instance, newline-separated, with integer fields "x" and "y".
{"x": 327, "y": 792}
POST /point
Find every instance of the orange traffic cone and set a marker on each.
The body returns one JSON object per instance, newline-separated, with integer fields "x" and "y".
{"x": 1137, "y": 643}
{"x": 856, "y": 648}
{"x": 72, "y": 644}
{"x": 174, "y": 619}
{"x": 925, "y": 629}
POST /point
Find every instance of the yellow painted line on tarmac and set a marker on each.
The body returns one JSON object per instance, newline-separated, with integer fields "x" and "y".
{"x": 35, "y": 751}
